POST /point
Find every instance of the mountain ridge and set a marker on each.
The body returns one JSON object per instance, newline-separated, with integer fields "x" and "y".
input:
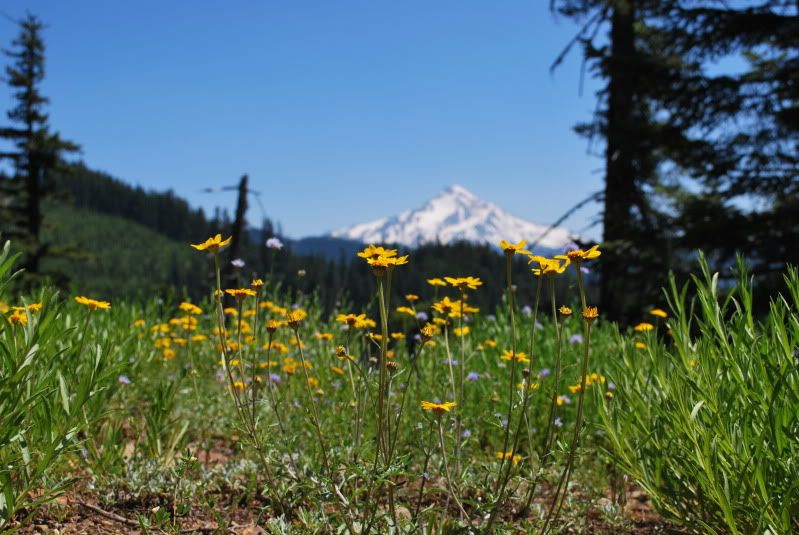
{"x": 455, "y": 214}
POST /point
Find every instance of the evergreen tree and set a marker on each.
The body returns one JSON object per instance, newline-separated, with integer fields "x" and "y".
{"x": 756, "y": 116}
{"x": 627, "y": 57}
{"x": 36, "y": 150}
{"x": 694, "y": 158}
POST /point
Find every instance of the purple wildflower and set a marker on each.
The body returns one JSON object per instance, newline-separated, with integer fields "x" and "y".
{"x": 274, "y": 243}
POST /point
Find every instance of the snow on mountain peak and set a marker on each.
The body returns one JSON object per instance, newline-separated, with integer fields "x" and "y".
{"x": 453, "y": 215}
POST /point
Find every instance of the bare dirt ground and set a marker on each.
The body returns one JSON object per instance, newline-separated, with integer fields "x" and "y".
{"x": 77, "y": 514}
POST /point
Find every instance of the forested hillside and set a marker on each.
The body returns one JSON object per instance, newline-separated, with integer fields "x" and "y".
{"x": 161, "y": 211}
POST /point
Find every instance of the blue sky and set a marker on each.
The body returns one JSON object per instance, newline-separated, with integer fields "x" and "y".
{"x": 340, "y": 111}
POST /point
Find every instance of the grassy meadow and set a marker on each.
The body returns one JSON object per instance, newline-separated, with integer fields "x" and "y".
{"x": 251, "y": 413}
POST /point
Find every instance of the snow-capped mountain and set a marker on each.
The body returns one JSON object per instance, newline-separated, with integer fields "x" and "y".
{"x": 453, "y": 215}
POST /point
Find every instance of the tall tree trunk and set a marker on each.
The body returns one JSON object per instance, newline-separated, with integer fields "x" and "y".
{"x": 237, "y": 231}
{"x": 620, "y": 179}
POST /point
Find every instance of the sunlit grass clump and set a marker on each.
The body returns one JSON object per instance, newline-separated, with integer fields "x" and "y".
{"x": 708, "y": 422}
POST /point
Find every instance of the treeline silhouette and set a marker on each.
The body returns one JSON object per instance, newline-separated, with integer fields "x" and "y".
{"x": 163, "y": 212}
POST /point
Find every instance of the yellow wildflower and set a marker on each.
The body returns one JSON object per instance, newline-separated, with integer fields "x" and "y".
{"x": 463, "y": 283}
{"x": 578, "y": 255}
{"x": 549, "y": 266}
{"x": 447, "y": 307}
{"x": 659, "y": 313}
{"x": 372, "y": 252}
{"x": 92, "y": 304}
{"x": 295, "y": 317}
{"x": 436, "y": 282}
{"x": 18, "y": 318}
{"x": 387, "y": 262}
{"x": 189, "y": 308}
{"x": 325, "y": 337}
{"x": 240, "y": 293}
{"x": 511, "y": 249}
{"x": 428, "y": 331}
{"x": 406, "y": 310}
{"x": 351, "y": 320}
{"x": 213, "y": 245}
{"x": 519, "y": 356}
{"x": 437, "y": 408}
{"x": 509, "y": 455}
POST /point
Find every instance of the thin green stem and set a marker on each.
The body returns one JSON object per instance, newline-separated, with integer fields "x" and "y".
{"x": 446, "y": 469}
{"x": 511, "y": 384}
{"x": 426, "y": 464}
{"x": 546, "y": 445}
{"x": 459, "y": 399}
{"x": 563, "y": 483}
{"x": 220, "y": 319}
